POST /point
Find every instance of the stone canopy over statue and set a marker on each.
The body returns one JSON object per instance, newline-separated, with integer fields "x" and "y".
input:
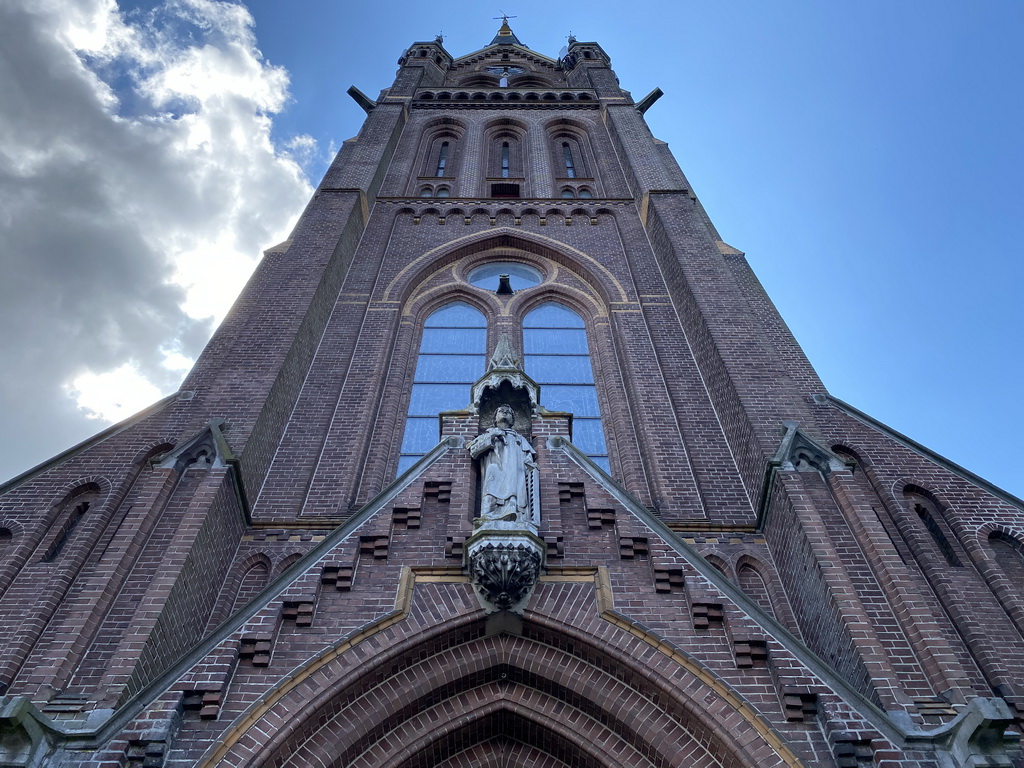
{"x": 507, "y": 467}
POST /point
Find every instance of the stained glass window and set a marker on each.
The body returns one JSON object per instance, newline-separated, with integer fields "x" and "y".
{"x": 557, "y": 357}
{"x": 452, "y": 356}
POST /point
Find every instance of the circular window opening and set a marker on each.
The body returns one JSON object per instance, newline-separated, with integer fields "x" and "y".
{"x": 487, "y": 276}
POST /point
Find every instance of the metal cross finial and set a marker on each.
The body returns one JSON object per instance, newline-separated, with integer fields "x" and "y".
{"x": 440, "y": 36}
{"x": 505, "y": 17}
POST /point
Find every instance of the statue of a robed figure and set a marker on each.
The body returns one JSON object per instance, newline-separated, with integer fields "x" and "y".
{"x": 507, "y": 467}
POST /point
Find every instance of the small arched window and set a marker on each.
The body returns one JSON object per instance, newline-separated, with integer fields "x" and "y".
{"x": 927, "y": 511}
{"x": 586, "y": 194}
{"x": 426, "y": 192}
{"x": 452, "y": 356}
{"x": 557, "y": 357}
{"x": 568, "y": 194}
{"x": 71, "y": 520}
{"x": 443, "y": 192}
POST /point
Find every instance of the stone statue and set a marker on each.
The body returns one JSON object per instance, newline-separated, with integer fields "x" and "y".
{"x": 507, "y": 463}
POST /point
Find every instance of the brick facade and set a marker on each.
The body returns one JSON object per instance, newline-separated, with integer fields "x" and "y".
{"x": 766, "y": 577}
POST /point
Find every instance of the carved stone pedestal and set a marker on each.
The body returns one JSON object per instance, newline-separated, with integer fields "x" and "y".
{"x": 504, "y": 568}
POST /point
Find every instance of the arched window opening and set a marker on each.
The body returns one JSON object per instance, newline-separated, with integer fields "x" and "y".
{"x": 557, "y": 357}
{"x": 443, "y": 192}
{"x": 928, "y": 515}
{"x": 426, "y": 192}
{"x": 568, "y": 160}
{"x": 568, "y": 194}
{"x": 586, "y": 194}
{"x": 1009, "y": 556}
{"x": 5, "y": 536}
{"x": 442, "y": 159}
{"x": 452, "y": 356}
{"x": 71, "y": 522}
{"x": 504, "y": 160}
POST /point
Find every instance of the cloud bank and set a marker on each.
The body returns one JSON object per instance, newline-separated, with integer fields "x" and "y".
{"x": 138, "y": 185}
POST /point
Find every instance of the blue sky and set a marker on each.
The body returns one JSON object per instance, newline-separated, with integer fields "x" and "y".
{"x": 865, "y": 156}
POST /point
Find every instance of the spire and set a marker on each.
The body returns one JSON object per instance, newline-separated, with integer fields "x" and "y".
{"x": 505, "y": 35}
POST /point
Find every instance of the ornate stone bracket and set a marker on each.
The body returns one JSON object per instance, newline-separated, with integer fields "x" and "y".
{"x": 24, "y": 733}
{"x": 978, "y": 736}
{"x": 205, "y": 450}
{"x": 504, "y": 569}
{"x": 799, "y": 453}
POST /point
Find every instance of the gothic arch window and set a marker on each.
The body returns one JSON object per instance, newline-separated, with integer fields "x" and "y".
{"x": 557, "y": 357}
{"x": 505, "y": 156}
{"x": 441, "y": 154}
{"x": 1008, "y": 553}
{"x": 452, "y": 356}
{"x": 928, "y": 513}
{"x": 68, "y": 521}
{"x": 569, "y": 155}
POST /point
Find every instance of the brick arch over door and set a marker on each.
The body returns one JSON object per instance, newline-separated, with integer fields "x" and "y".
{"x": 456, "y": 688}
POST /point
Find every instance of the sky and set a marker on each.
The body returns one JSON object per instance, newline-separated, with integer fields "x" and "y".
{"x": 867, "y": 158}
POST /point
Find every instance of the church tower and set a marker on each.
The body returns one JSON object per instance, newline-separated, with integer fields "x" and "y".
{"x": 504, "y": 457}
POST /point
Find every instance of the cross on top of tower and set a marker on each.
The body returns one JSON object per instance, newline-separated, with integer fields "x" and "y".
{"x": 505, "y": 34}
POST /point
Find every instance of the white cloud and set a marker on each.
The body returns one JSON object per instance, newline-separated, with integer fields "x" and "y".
{"x": 138, "y": 185}
{"x": 112, "y": 395}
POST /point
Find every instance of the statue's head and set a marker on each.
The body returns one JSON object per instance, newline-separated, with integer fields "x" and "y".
{"x": 504, "y": 417}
